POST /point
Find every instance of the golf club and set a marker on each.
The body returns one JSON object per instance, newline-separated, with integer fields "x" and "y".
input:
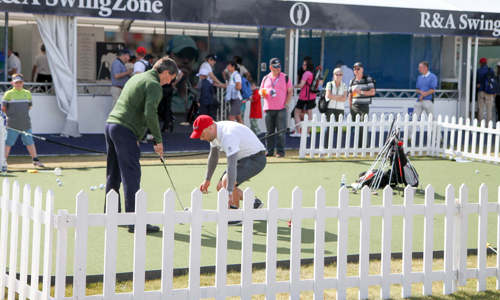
{"x": 172, "y": 184}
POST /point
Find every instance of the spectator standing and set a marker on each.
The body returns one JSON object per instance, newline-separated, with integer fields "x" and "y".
{"x": 497, "y": 97}
{"x": 277, "y": 90}
{"x": 13, "y": 64}
{"x": 135, "y": 110}
{"x": 233, "y": 94}
{"x": 207, "y": 102}
{"x": 361, "y": 90}
{"x": 426, "y": 87}
{"x": 141, "y": 65}
{"x": 16, "y": 105}
{"x": 119, "y": 73}
{"x": 486, "y": 93}
{"x": 255, "y": 110}
{"x": 307, "y": 99}
{"x": 41, "y": 70}
{"x": 336, "y": 94}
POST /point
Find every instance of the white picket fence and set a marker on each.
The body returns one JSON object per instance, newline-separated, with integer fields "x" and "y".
{"x": 424, "y": 136}
{"x": 456, "y": 211}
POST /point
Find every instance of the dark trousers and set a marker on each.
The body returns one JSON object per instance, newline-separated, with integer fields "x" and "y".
{"x": 361, "y": 110}
{"x": 122, "y": 163}
{"x": 209, "y": 109}
{"x": 276, "y": 122}
{"x": 43, "y": 78}
{"x": 497, "y": 106}
{"x": 208, "y": 104}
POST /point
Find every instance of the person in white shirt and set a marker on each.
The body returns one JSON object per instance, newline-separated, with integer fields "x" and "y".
{"x": 41, "y": 70}
{"x": 246, "y": 155}
{"x": 233, "y": 92}
{"x": 347, "y": 73}
{"x": 336, "y": 94}
{"x": 207, "y": 103}
{"x": 13, "y": 64}
{"x": 141, "y": 65}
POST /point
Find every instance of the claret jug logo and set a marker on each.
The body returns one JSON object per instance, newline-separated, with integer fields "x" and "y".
{"x": 299, "y": 14}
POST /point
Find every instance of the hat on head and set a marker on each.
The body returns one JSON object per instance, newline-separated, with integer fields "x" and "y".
{"x": 123, "y": 51}
{"x": 202, "y": 122}
{"x": 141, "y": 50}
{"x": 483, "y": 60}
{"x": 275, "y": 63}
{"x": 211, "y": 56}
{"x": 358, "y": 65}
{"x": 17, "y": 77}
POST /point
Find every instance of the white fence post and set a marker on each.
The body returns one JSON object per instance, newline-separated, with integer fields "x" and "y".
{"x": 428, "y": 239}
{"x": 271, "y": 243}
{"x": 449, "y": 239}
{"x": 47, "y": 252}
{"x": 342, "y": 225}
{"x": 139, "y": 244}
{"x": 14, "y": 240}
{"x": 221, "y": 248}
{"x": 295, "y": 243}
{"x": 110, "y": 244}
{"x": 247, "y": 245}
{"x": 81, "y": 236}
{"x": 482, "y": 236}
{"x": 23, "y": 278}
{"x": 35, "y": 252}
{"x": 364, "y": 243}
{"x": 3, "y": 235}
{"x": 62, "y": 219}
{"x": 319, "y": 244}
{"x": 195, "y": 245}
{"x": 407, "y": 240}
{"x": 385, "y": 290}
{"x": 168, "y": 243}
{"x": 303, "y": 137}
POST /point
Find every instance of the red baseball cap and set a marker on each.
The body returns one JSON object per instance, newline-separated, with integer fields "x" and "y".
{"x": 202, "y": 122}
{"x": 141, "y": 50}
{"x": 483, "y": 60}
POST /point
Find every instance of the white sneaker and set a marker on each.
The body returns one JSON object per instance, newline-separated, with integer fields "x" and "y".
{"x": 295, "y": 134}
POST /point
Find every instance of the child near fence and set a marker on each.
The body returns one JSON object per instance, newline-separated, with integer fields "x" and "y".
{"x": 255, "y": 110}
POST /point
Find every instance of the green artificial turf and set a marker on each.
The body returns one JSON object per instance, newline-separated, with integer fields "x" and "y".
{"x": 284, "y": 176}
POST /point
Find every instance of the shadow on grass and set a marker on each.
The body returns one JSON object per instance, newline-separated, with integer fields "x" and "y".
{"x": 463, "y": 296}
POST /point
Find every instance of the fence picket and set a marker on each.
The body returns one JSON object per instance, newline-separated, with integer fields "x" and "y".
{"x": 168, "y": 242}
{"x": 448, "y": 239}
{"x": 482, "y": 237}
{"x": 428, "y": 239}
{"x": 373, "y": 133}
{"x": 462, "y": 230}
{"x": 35, "y": 252}
{"x": 364, "y": 242}
{"x": 47, "y": 252}
{"x": 498, "y": 236}
{"x": 381, "y": 137}
{"x": 322, "y": 134}
{"x": 221, "y": 250}
{"x": 459, "y": 145}
{"x": 355, "y": 144}
{"x": 430, "y": 131}
{"x": 481, "y": 138}
{"x": 467, "y": 136}
{"x": 365, "y": 136}
{"x": 3, "y": 235}
{"x": 497, "y": 143}
{"x": 61, "y": 253}
{"x": 139, "y": 245}
{"x": 81, "y": 230}
{"x": 339, "y": 135}
{"x": 247, "y": 245}
{"x": 452, "y": 135}
{"x": 331, "y": 125}
{"x": 342, "y": 225}
{"x": 195, "y": 245}
{"x": 271, "y": 243}
{"x": 407, "y": 240}
{"x": 295, "y": 243}
{"x": 303, "y": 137}
{"x": 23, "y": 277}
{"x": 319, "y": 244}
{"x": 474, "y": 136}
{"x": 347, "y": 144}
{"x": 488, "y": 139}
{"x": 386, "y": 243}
{"x": 444, "y": 147}
{"x": 421, "y": 133}
{"x": 313, "y": 135}
{"x": 110, "y": 244}
{"x": 413, "y": 143}
{"x": 14, "y": 239}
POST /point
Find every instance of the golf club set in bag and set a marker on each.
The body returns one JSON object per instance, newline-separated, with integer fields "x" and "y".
{"x": 391, "y": 166}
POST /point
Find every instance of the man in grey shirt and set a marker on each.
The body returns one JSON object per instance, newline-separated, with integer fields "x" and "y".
{"x": 246, "y": 155}
{"x": 119, "y": 73}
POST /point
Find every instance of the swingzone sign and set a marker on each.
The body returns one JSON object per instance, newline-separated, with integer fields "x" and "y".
{"x": 275, "y": 13}
{"x": 140, "y": 9}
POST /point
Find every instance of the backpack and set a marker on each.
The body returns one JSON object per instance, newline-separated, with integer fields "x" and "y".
{"x": 322, "y": 103}
{"x": 314, "y": 88}
{"x": 490, "y": 82}
{"x": 246, "y": 88}
{"x": 147, "y": 65}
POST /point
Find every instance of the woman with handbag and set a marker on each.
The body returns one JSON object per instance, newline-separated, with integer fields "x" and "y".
{"x": 336, "y": 95}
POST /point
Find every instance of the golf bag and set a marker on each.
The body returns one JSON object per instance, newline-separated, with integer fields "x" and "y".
{"x": 392, "y": 166}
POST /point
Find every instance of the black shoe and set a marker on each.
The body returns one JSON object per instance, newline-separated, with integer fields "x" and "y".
{"x": 257, "y": 203}
{"x": 236, "y": 222}
{"x": 149, "y": 228}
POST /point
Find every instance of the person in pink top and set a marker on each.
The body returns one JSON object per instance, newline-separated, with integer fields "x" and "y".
{"x": 276, "y": 90}
{"x": 307, "y": 99}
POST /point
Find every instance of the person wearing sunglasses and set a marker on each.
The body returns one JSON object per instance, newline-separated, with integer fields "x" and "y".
{"x": 336, "y": 94}
{"x": 361, "y": 91}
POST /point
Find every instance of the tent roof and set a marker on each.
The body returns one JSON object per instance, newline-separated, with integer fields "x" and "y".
{"x": 486, "y": 6}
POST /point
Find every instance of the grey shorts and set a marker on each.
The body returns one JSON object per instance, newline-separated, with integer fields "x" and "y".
{"x": 248, "y": 167}
{"x": 235, "y": 107}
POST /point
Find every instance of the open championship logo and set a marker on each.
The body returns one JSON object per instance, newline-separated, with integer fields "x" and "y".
{"x": 299, "y": 14}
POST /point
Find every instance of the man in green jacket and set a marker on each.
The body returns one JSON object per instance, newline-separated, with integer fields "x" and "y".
{"x": 134, "y": 112}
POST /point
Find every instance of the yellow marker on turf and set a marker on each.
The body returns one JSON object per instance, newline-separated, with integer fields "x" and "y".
{"x": 32, "y": 171}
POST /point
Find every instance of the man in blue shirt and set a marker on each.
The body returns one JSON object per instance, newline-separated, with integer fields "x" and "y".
{"x": 426, "y": 86}
{"x": 119, "y": 73}
{"x": 485, "y": 95}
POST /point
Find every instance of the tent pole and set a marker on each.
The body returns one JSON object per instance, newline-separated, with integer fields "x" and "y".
{"x": 259, "y": 55}
{"x": 459, "y": 76}
{"x": 467, "y": 77}
{"x": 209, "y": 36}
{"x": 165, "y": 48}
{"x": 474, "y": 80}
{"x": 296, "y": 57}
{"x": 322, "y": 55}
{"x": 6, "y": 45}
{"x": 75, "y": 58}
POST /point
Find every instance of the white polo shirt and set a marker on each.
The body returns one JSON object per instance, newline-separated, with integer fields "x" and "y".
{"x": 235, "y": 138}
{"x": 205, "y": 69}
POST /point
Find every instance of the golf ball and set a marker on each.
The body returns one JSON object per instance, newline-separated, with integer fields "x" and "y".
{"x": 102, "y": 186}
{"x": 186, "y": 209}
{"x": 58, "y": 171}
{"x": 59, "y": 183}
{"x": 477, "y": 171}
{"x": 92, "y": 188}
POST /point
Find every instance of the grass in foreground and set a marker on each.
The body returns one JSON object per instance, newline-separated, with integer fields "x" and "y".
{"x": 259, "y": 275}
